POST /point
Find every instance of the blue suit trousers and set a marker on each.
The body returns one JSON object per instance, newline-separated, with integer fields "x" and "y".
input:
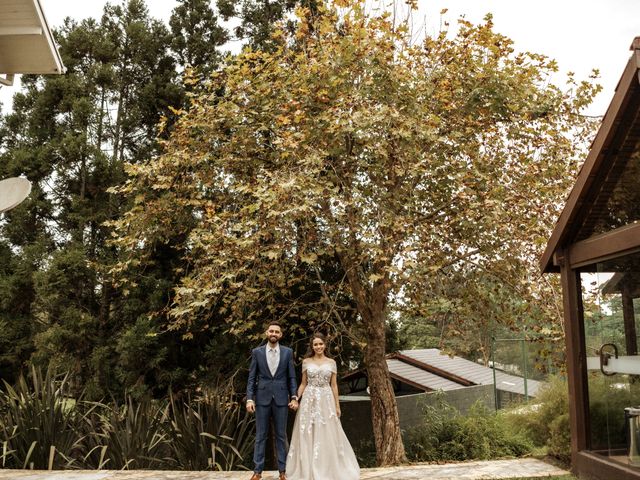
{"x": 264, "y": 413}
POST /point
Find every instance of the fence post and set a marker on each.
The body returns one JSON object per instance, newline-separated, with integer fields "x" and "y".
{"x": 524, "y": 370}
{"x": 493, "y": 369}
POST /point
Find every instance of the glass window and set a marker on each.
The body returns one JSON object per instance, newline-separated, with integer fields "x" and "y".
{"x": 611, "y": 311}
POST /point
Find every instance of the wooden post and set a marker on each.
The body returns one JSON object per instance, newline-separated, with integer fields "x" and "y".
{"x": 576, "y": 357}
{"x": 631, "y": 341}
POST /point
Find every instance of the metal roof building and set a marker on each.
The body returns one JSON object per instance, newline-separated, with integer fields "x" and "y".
{"x": 430, "y": 370}
{"x": 418, "y": 377}
{"x": 472, "y": 372}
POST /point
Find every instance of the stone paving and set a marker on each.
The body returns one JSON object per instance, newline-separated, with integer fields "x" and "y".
{"x": 497, "y": 469}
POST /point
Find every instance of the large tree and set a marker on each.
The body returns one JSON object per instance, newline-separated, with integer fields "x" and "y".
{"x": 348, "y": 142}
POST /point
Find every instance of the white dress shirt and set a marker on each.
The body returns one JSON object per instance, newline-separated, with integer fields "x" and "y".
{"x": 273, "y": 358}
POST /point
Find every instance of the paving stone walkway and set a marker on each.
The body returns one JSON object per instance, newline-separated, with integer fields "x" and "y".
{"x": 497, "y": 469}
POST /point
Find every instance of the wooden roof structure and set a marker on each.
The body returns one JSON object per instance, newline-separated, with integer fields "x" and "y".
{"x": 615, "y": 144}
{"x": 599, "y": 232}
{"x": 26, "y": 43}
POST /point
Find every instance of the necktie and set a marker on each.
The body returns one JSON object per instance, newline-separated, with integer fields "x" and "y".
{"x": 273, "y": 361}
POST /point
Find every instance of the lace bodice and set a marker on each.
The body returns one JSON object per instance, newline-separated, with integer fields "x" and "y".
{"x": 319, "y": 375}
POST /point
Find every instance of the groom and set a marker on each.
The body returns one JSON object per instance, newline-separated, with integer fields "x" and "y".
{"x": 271, "y": 389}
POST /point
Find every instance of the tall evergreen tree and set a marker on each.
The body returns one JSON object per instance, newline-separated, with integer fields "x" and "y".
{"x": 71, "y": 136}
{"x": 256, "y": 20}
{"x": 197, "y": 35}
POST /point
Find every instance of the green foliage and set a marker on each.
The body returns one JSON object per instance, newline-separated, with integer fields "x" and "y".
{"x": 378, "y": 168}
{"x": 608, "y": 397}
{"x": 42, "y": 427}
{"x": 134, "y": 435}
{"x": 365, "y": 453}
{"x": 140, "y": 354}
{"x": 546, "y": 422}
{"x": 419, "y": 332}
{"x": 447, "y": 435}
{"x": 207, "y": 434}
{"x": 71, "y": 135}
{"x": 258, "y": 20}
{"x": 196, "y": 35}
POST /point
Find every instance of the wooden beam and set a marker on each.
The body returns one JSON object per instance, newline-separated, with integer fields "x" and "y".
{"x": 601, "y": 247}
{"x": 415, "y": 385}
{"x": 576, "y": 359}
{"x": 600, "y": 467}
{"x": 7, "y": 31}
{"x": 360, "y": 373}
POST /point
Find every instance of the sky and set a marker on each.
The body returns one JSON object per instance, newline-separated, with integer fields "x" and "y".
{"x": 580, "y": 34}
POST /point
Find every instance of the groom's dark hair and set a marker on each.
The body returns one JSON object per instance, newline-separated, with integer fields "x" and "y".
{"x": 271, "y": 324}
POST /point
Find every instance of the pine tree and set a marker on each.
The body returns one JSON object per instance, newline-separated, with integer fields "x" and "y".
{"x": 197, "y": 35}
{"x": 257, "y": 20}
{"x": 71, "y": 136}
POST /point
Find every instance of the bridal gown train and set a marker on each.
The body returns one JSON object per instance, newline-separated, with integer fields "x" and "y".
{"x": 319, "y": 448}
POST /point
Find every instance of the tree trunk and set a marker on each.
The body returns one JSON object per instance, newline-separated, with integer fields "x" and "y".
{"x": 371, "y": 303}
{"x": 384, "y": 410}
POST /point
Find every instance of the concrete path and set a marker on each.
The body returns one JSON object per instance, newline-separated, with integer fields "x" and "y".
{"x": 497, "y": 469}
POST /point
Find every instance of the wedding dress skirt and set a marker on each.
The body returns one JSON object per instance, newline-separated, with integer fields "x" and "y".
{"x": 319, "y": 448}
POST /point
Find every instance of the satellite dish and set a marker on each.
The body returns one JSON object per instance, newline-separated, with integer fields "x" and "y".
{"x": 13, "y": 191}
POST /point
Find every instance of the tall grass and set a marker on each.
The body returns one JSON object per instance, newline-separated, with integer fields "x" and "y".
{"x": 133, "y": 436}
{"x": 42, "y": 428}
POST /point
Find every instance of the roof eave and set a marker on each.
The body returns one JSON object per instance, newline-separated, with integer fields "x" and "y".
{"x": 49, "y": 36}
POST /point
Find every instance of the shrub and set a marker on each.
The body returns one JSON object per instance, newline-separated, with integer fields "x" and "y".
{"x": 546, "y": 422}
{"x": 447, "y": 435}
{"x": 132, "y": 435}
{"x": 608, "y": 397}
{"x": 365, "y": 451}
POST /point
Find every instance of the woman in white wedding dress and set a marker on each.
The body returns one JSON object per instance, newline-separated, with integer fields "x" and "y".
{"x": 319, "y": 448}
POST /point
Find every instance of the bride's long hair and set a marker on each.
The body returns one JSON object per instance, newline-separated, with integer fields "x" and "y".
{"x": 323, "y": 337}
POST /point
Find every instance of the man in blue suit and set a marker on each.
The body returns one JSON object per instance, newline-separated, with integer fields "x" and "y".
{"x": 271, "y": 390}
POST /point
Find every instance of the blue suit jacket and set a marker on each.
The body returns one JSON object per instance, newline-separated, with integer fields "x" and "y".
{"x": 263, "y": 387}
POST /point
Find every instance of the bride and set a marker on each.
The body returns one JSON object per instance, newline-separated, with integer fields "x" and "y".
{"x": 319, "y": 448}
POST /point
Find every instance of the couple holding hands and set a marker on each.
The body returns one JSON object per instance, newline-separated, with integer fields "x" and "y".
{"x": 319, "y": 448}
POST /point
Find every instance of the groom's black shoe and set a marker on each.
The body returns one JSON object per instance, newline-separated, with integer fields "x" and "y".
{"x": 283, "y": 476}
{"x": 256, "y": 476}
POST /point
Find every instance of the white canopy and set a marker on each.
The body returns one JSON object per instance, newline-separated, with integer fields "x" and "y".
{"x": 26, "y": 43}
